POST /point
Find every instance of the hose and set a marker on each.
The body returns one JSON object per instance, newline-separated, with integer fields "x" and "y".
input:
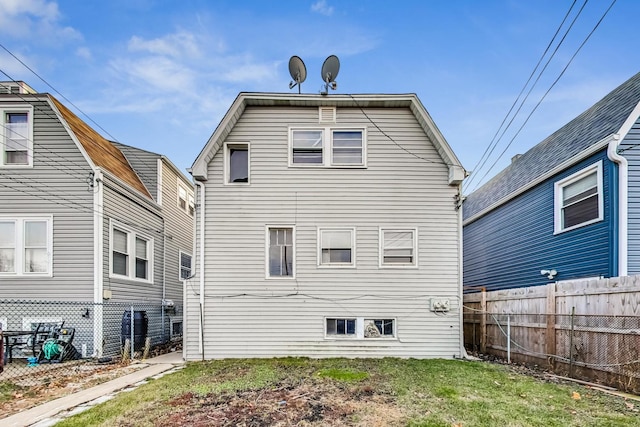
{"x": 50, "y": 348}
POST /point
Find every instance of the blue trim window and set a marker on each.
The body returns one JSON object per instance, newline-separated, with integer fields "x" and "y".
{"x": 578, "y": 199}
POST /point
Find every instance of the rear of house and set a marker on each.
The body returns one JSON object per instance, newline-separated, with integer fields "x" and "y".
{"x": 326, "y": 226}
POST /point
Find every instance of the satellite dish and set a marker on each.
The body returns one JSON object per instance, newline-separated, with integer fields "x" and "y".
{"x": 298, "y": 72}
{"x": 330, "y": 69}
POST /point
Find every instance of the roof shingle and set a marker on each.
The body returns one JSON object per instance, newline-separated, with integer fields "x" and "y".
{"x": 604, "y": 118}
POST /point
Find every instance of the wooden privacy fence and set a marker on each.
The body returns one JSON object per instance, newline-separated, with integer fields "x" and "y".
{"x": 586, "y": 329}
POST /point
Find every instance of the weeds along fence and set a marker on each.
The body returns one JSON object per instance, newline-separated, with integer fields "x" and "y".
{"x": 42, "y": 336}
{"x": 585, "y": 329}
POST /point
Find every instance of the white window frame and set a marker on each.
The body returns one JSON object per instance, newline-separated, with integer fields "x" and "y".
{"x": 382, "y": 335}
{"x": 363, "y": 148}
{"x": 560, "y": 185}
{"x": 329, "y": 264}
{"x": 269, "y": 227}
{"x": 360, "y": 324}
{"x": 4, "y": 110}
{"x": 19, "y": 244}
{"x": 382, "y": 264}
{"x": 180, "y": 264}
{"x": 131, "y": 245}
{"x": 191, "y": 205}
{"x": 188, "y": 200}
{"x": 228, "y": 146}
{"x": 327, "y": 147}
{"x": 329, "y": 336}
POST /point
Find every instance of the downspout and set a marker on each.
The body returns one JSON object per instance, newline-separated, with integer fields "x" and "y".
{"x": 164, "y": 279}
{"x": 201, "y": 274}
{"x": 459, "y": 200}
{"x": 98, "y": 262}
{"x": 623, "y": 173}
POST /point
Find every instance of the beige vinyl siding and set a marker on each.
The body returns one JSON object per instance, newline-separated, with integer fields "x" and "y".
{"x": 247, "y": 315}
{"x": 57, "y": 185}
{"x": 139, "y": 217}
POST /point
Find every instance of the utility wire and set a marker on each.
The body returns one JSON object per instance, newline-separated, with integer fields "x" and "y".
{"x": 393, "y": 140}
{"x": 492, "y": 145}
{"x": 549, "y": 90}
{"x": 137, "y": 171}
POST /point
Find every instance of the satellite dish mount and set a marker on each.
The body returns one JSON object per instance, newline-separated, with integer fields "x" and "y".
{"x": 329, "y": 72}
{"x": 298, "y": 72}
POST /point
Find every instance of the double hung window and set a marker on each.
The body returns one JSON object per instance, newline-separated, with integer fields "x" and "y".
{"x": 307, "y": 147}
{"x": 131, "y": 254}
{"x": 578, "y": 199}
{"x": 327, "y": 146}
{"x": 398, "y": 248}
{"x": 336, "y": 247}
{"x": 185, "y": 265}
{"x": 16, "y": 136}
{"x": 280, "y": 253}
{"x": 25, "y": 246}
{"x": 185, "y": 198}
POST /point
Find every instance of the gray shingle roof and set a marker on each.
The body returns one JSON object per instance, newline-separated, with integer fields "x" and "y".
{"x": 601, "y": 120}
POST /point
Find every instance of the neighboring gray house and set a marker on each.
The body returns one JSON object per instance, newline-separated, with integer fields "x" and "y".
{"x": 83, "y": 219}
{"x": 326, "y": 226}
{"x": 568, "y": 208}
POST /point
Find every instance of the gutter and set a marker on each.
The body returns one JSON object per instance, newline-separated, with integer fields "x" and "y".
{"x": 463, "y": 351}
{"x": 623, "y": 189}
{"x": 623, "y": 173}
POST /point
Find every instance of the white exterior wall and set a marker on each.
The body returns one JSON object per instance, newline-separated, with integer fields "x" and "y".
{"x": 247, "y": 315}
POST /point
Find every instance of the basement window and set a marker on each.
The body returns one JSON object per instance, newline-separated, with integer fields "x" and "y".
{"x": 341, "y": 327}
{"x": 379, "y": 328}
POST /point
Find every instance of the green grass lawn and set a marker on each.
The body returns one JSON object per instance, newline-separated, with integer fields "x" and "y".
{"x": 366, "y": 392}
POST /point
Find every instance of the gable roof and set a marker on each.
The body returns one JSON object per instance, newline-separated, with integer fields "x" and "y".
{"x": 102, "y": 152}
{"x": 411, "y": 101}
{"x": 589, "y": 130}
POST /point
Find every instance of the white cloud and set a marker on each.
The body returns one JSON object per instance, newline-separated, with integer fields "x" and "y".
{"x": 176, "y": 45}
{"x": 25, "y": 18}
{"x": 322, "y": 8}
{"x": 84, "y": 52}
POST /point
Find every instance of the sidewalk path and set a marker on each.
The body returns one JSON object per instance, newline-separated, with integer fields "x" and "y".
{"x": 45, "y": 414}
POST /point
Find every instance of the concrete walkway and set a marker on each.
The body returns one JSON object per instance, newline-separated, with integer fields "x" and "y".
{"x": 54, "y": 411}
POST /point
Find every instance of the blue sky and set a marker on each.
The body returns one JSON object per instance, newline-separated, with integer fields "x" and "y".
{"x": 160, "y": 75}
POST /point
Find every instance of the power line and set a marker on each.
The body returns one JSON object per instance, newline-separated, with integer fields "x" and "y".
{"x": 142, "y": 161}
{"x": 393, "y": 140}
{"x": 493, "y": 144}
{"x": 549, "y": 90}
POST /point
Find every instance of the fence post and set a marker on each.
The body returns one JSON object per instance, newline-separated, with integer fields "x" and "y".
{"x": 573, "y": 312}
{"x": 483, "y": 321}
{"x": 509, "y": 338}
{"x": 551, "y": 322}
{"x": 132, "y": 335}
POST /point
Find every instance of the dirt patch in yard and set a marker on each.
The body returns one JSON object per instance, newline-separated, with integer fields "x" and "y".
{"x": 29, "y": 391}
{"x": 316, "y": 403}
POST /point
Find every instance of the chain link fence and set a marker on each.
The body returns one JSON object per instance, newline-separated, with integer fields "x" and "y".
{"x": 42, "y": 336}
{"x": 594, "y": 348}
